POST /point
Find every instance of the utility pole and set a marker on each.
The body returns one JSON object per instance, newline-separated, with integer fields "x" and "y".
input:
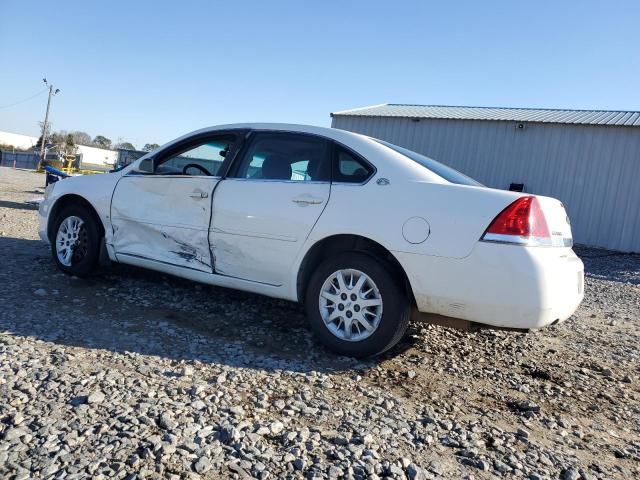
{"x": 46, "y": 121}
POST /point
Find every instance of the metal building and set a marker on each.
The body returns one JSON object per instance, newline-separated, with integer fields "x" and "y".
{"x": 588, "y": 159}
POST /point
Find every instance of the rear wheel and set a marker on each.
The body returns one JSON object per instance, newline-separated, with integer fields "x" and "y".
{"x": 356, "y": 306}
{"x": 75, "y": 241}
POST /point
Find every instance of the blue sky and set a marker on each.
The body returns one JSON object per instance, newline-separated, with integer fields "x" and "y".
{"x": 149, "y": 71}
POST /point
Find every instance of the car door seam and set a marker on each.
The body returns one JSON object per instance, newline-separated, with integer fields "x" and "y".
{"x": 113, "y": 230}
{"x": 212, "y": 257}
{"x": 329, "y": 154}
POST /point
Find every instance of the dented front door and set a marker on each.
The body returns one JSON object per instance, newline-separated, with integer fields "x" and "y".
{"x": 163, "y": 218}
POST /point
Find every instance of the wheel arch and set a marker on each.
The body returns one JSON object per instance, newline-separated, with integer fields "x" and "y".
{"x": 338, "y": 243}
{"x": 72, "y": 199}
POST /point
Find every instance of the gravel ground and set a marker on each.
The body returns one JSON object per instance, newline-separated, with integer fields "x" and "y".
{"x": 134, "y": 374}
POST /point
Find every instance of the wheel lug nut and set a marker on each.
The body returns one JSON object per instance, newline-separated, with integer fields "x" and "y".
{"x": 354, "y": 297}
{"x": 356, "y": 308}
{"x": 349, "y": 314}
{"x": 340, "y": 307}
{"x": 343, "y": 296}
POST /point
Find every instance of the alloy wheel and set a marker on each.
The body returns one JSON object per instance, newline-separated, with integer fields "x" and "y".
{"x": 350, "y": 305}
{"x": 71, "y": 241}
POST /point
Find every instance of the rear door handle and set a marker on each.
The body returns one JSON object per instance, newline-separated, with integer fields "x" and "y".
{"x": 307, "y": 200}
{"x": 198, "y": 194}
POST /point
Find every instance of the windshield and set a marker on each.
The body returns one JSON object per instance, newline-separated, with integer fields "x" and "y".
{"x": 448, "y": 173}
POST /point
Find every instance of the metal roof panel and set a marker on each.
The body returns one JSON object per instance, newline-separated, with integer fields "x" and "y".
{"x": 542, "y": 115}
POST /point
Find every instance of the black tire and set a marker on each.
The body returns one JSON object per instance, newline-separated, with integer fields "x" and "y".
{"x": 396, "y": 308}
{"x": 85, "y": 264}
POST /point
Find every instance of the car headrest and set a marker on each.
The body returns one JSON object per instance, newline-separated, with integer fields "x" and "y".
{"x": 276, "y": 167}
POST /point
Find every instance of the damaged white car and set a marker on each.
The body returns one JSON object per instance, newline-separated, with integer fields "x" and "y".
{"x": 366, "y": 234}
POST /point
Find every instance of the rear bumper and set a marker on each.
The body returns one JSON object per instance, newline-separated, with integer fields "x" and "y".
{"x": 506, "y": 286}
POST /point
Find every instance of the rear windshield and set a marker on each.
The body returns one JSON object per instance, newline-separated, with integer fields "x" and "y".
{"x": 448, "y": 173}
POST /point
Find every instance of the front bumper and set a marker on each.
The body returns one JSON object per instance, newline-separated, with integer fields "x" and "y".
{"x": 43, "y": 219}
{"x": 506, "y": 286}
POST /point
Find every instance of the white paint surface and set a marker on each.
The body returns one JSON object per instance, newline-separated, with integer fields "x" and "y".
{"x": 260, "y": 226}
{"x": 163, "y": 218}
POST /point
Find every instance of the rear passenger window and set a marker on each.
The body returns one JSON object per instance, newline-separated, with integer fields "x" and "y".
{"x": 350, "y": 169}
{"x": 285, "y": 156}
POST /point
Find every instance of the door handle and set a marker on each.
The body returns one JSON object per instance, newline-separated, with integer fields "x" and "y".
{"x": 307, "y": 200}
{"x": 198, "y": 194}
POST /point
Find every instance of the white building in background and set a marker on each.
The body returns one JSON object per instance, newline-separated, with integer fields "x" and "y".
{"x": 89, "y": 155}
{"x": 97, "y": 156}
{"x": 17, "y": 140}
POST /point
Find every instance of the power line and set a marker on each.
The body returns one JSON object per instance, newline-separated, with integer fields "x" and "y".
{"x": 24, "y": 100}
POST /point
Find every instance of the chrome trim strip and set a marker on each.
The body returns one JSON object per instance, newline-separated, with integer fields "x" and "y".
{"x": 275, "y": 180}
{"x": 517, "y": 240}
{"x": 154, "y": 175}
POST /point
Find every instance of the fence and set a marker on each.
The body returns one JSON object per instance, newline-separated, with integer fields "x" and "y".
{"x": 26, "y": 160}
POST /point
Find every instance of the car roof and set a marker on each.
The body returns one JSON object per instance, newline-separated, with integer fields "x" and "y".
{"x": 373, "y": 151}
{"x": 333, "y": 133}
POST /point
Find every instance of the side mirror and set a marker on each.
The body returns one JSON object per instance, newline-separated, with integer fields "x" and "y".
{"x": 146, "y": 166}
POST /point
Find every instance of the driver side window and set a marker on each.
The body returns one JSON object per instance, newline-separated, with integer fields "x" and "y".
{"x": 201, "y": 159}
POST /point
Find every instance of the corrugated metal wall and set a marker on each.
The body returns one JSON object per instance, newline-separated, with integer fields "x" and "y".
{"x": 593, "y": 170}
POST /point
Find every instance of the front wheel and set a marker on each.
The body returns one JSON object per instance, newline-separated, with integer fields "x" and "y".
{"x": 75, "y": 241}
{"x": 355, "y": 306}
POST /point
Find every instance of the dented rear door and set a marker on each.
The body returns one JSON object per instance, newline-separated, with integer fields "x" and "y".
{"x": 163, "y": 218}
{"x": 267, "y": 206}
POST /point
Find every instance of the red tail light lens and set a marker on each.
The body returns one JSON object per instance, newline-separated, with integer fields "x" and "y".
{"x": 522, "y": 222}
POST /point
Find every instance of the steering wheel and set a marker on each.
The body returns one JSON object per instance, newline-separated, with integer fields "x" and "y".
{"x": 195, "y": 165}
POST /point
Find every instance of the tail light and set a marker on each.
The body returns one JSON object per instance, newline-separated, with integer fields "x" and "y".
{"x": 521, "y": 223}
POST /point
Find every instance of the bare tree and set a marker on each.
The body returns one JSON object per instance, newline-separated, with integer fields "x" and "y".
{"x": 81, "y": 138}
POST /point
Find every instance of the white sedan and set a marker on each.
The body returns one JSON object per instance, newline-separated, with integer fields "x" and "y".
{"x": 365, "y": 233}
